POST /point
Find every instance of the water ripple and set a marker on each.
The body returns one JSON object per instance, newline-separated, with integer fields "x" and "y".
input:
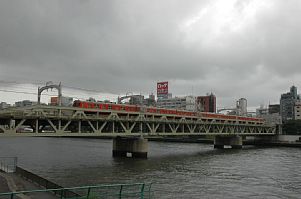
{"x": 177, "y": 170}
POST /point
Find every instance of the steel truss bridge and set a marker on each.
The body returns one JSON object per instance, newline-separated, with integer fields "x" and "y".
{"x": 43, "y": 120}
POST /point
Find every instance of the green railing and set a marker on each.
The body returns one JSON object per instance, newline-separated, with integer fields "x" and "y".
{"x": 8, "y": 164}
{"x": 120, "y": 191}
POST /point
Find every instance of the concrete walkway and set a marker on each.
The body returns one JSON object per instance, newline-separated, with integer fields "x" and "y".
{"x": 10, "y": 182}
{"x": 3, "y": 185}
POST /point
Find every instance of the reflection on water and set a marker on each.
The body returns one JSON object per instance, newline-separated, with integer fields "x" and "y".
{"x": 178, "y": 170}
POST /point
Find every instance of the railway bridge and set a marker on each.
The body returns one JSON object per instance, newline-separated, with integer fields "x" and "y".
{"x": 129, "y": 129}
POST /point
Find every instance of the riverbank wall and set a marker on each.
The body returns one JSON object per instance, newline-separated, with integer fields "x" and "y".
{"x": 42, "y": 182}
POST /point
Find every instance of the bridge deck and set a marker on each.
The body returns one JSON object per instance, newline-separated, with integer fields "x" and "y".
{"x": 42, "y": 120}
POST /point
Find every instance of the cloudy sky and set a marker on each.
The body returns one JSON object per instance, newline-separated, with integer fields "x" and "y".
{"x": 233, "y": 48}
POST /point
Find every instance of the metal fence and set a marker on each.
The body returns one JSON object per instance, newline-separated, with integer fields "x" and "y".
{"x": 120, "y": 191}
{"x": 8, "y": 164}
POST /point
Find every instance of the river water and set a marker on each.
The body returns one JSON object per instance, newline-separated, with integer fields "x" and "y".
{"x": 177, "y": 170}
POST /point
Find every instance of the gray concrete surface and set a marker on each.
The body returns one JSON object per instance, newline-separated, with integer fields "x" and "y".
{"x": 10, "y": 182}
{"x": 3, "y": 185}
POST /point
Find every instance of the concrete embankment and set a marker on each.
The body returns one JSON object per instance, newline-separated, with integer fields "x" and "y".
{"x": 23, "y": 180}
{"x": 3, "y": 184}
{"x": 11, "y": 182}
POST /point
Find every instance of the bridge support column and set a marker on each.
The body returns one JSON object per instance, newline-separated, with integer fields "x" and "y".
{"x": 234, "y": 141}
{"x": 137, "y": 147}
{"x": 37, "y": 126}
{"x": 12, "y": 123}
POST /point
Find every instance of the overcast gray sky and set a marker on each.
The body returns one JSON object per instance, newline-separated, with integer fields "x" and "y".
{"x": 234, "y": 48}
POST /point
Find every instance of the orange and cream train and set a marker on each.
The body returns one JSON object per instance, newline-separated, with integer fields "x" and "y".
{"x": 155, "y": 110}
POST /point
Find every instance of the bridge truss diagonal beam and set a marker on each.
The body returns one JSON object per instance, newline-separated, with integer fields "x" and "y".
{"x": 71, "y": 121}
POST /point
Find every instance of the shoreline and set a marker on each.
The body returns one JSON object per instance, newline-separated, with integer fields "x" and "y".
{"x": 294, "y": 144}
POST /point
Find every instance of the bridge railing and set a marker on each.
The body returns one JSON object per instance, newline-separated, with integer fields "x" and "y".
{"x": 8, "y": 164}
{"x": 137, "y": 190}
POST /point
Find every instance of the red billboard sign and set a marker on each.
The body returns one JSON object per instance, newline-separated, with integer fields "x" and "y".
{"x": 162, "y": 88}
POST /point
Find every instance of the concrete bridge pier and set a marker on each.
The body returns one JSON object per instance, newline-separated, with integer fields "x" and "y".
{"x": 123, "y": 146}
{"x": 234, "y": 141}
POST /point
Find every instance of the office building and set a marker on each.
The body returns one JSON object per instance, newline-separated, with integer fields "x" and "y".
{"x": 182, "y": 103}
{"x": 206, "y": 103}
{"x": 241, "y": 107}
{"x": 274, "y": 108}
{"x": 287, "y": 103}
{"x": 297, "y": 110}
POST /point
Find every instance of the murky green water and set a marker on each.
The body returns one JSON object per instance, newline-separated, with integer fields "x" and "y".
{"x": 177, "y": 170}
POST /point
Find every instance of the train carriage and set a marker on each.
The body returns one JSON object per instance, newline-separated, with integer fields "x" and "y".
{"x": 162, "y": 111}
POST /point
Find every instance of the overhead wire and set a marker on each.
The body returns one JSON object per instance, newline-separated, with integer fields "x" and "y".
{"x": 31, "y": 93}
{"x": 16, "y": 84}
{"x": 64, "y": 85}
{"x": 21, "y": 92}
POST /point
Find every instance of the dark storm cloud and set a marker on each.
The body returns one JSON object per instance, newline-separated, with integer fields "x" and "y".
{"x": 234, "y": 48}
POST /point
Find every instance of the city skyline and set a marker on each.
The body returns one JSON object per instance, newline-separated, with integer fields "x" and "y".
{"x": 86, "y": 94}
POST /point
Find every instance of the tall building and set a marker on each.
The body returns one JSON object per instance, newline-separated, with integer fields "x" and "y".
{"x": 274, "y": 108}
{"x": 150, "y": 101}
{"x": 293, "y": 91}
{"x": 297, "y": 110}
{"x": 241, "y": 107}
{"x": 182, "y": 103}
{"x": 287, "y": 103}
{"x": 270, "y": 114}
{"x": 206, "y": 103}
